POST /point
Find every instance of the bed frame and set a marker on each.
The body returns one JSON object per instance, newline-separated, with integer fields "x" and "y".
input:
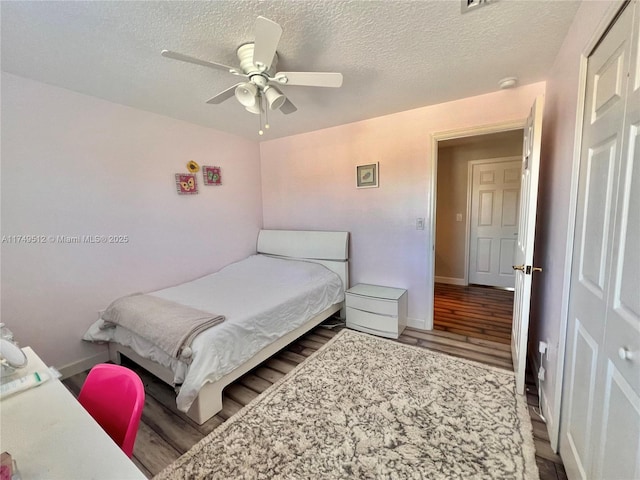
{"x": 327, "y": 248}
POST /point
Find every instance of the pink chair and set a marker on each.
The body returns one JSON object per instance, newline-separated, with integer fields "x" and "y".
{"x": 114, "y": 396}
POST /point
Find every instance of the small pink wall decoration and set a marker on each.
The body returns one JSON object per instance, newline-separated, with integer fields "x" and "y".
{"x": 186, "y": 183}
{"x": 211, "y": 175}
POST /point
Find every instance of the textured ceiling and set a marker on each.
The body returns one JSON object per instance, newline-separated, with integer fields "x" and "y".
{"x": 394, "y": 55}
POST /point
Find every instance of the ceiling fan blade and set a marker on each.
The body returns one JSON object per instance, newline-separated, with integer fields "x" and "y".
{"x": 197, "y": 61}
{"x": 223, "y": 95}
{"x": 268, "y": 35}
{"x": 309, "y": 79}
{"x": 288, "y": 107}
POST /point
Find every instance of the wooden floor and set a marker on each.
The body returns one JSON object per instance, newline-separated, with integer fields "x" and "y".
{"x": 481, "y": 312}
{"x": 165, "y": 433}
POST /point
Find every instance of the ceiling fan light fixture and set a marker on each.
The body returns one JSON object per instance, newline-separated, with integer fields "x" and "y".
{"x": 275, "y": 97}
{"x": 246, "y": 93}
{"x": 255, "y": 108}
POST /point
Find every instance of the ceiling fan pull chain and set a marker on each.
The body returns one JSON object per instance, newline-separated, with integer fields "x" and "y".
{"x": 266, "y": 115}
{"x": 260, "y": 132}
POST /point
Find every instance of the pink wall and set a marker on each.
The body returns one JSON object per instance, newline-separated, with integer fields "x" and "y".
{"x": 308, "y": 182}
{"x": 77, "y": 165}
{"x": 556, "y": 173}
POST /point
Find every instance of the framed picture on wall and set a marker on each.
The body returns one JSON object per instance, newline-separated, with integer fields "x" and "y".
{"x": 186, "y": 183}
{"x": 212, "y": 175}
{"x": 367, "y": 175}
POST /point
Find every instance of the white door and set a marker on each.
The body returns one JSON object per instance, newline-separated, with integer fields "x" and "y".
{"x": 524, "y": 245}
{"x": 495, "y": 193}
{"x": 600, "y": 418}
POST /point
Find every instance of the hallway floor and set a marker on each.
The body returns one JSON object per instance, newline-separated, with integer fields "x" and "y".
{"x": 474, "y": 311}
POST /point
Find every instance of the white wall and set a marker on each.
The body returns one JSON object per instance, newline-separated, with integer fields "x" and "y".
{"x": 77, "y": 165}
{"x": 309, "y": 182}
{"x": 558, "y": 136}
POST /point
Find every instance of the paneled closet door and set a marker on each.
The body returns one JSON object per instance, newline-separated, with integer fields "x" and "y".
{"x": 600, "y": 422}
{"x": 618, "y": 453}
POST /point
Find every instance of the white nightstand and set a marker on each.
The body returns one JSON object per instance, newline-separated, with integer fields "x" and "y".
{"x": 377, "y": 310}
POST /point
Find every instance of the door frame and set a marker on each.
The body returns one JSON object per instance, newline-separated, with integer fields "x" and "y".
{"x": 437, "y": 137}
{"x": 467, "y": 245}
{"x": 602, "y": 28}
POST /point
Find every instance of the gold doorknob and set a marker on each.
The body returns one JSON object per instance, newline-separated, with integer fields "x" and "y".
{"x": 518, "y": 267}
{"x": 537, "y": 269}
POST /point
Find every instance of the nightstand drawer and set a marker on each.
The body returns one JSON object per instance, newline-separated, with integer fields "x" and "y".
{"x": 373, "y": 305}
{"x": 358, "y": 318}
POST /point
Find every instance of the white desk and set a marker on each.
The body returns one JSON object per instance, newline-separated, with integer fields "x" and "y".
{"x": 50, "y": 435}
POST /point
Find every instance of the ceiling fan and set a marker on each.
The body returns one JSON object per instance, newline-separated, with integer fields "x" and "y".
{"x": 258, "y": 91}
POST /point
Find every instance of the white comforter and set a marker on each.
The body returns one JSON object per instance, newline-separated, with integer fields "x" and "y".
{"x": 262, "y": 298}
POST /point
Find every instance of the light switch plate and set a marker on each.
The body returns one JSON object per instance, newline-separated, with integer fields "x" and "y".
{"x": 458, "y": 217}
{"x": 419, "y": 223}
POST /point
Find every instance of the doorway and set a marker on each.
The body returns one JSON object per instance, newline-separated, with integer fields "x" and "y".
{"x": 474, "y": 308}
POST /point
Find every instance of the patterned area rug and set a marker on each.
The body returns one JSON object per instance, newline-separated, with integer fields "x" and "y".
{"x": 367, "y": 407}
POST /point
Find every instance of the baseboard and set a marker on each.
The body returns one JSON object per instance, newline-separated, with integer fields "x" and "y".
{"x": 74, "y": 368}
{"x": 451, "y": 281}
{"x": 544, "y": 407}
{"x": 418, "y": 323}
{"x": 544, "y": 404}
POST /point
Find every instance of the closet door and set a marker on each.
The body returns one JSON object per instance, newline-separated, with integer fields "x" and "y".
{"x": 617, "y": 455}
{"x": 600, "y": 421}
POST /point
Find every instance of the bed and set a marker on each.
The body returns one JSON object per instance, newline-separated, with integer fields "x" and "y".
{"x": 296, "y": 280}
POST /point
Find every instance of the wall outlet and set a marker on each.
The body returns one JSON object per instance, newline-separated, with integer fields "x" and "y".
{"x": 545, "y": 350}
{"x": 542, "y": 347}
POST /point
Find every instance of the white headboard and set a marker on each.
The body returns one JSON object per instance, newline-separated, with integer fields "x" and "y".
{"x": 330, "y": 249}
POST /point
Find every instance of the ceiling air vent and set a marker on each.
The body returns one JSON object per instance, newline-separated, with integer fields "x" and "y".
{"x": 468, "y": 5}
